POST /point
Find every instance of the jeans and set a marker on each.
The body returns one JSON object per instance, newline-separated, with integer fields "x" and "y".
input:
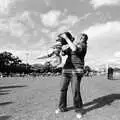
{"x": 75, "y": 79}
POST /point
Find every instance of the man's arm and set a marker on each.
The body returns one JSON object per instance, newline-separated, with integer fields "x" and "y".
{"x": 65, "y": 50}
{"x": 70, "y": 43}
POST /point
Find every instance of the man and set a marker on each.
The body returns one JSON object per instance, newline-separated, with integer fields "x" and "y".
{"x": 73, "y": 71}
{"x": 110, "y": 73}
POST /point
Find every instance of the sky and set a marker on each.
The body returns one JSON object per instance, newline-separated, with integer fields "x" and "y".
{"x": 28, "y": 28}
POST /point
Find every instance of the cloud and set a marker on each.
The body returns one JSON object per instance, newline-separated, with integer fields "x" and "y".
{"x": 24, "y": 55}
{"x": 114, "y": 60}
{"x": 8, "y": 47}
{"x": 56, "y": 22}
{"x": 4, "y": 25}
{"x": 16, "y": 29}
{"x": 27, "y": 56}
{"x": 117, "y": 54}
{"x": 106, "y": 30}
{"x": 63, "y": 28}
{"x": 6, "y": 5}
{"x": 99, "y": 3}
{"x": 47, "y": 2}
{"x": 103, "y": 41}
{"x": 40, "y": 44}
{"x": 50, "y": 19}
{"x": 25, "y": 18}
{"x": 44, "y": 30}
{"x": 70, "y": 20}
{"x": 18, "y": 32}
{"x": 55, "y": 18}
{"x": 18, "y": 25}
{"x": 21, "y": 25}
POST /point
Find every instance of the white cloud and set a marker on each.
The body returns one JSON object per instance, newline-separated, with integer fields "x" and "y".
{"x": 63, "y": 29}
{"x": 4, "y": 25}
{"x": 84, "y": 17}
{"x": 50, "y": 19}
{"x": 117, "y": 54}
{"x": 48, "y": 2}
{"x": 21, "y": 24}
{"x": 25, "y": 19}
{"x": 44, "y": 30}
{"x": 8, "y": 47}
{"x": 99, "y": 3}
{"x": 16, "y": 29}
{"x": 11, "y": 26}
{"x": 24, "y": 55}
{"x": 103, "y": 41}
{"x": 55, "y": 18}
{"x": 103, "y": 30}
{"x": 70, "y": 20}
{"x": 5, "y": 6}
{"x": 28, "y": 56}
{"x": 18, "y": 25}
{"x": 115, "y": 59}
{"x": 39, "y": 44}
{"x": 113, "y": 62}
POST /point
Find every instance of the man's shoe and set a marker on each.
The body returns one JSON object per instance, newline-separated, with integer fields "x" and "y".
{"x": 79, "y": 116}
{"x": 57, "y": 111}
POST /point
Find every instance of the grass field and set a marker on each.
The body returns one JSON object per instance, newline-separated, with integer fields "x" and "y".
{"x": 36, "y": 98}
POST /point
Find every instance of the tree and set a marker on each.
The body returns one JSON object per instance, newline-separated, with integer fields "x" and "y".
{"x": 8, "y": 62}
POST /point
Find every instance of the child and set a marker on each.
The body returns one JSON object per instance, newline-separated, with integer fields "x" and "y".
{"x": 54, "y": 57}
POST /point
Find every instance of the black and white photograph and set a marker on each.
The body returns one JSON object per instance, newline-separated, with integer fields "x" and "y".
{"x": 59, "y": 60}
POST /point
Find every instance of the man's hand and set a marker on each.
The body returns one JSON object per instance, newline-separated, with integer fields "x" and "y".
{"x": 63, "y": 36}
{"x": 64, "y": 47}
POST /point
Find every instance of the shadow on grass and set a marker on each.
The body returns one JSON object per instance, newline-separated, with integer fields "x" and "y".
{"x": 116, "y": 79}
{"x": 97, "y": 103}
{"x": 12, "y": 86}
{"x": 100, "y": 102}
{"x": 3, "y": 90}
{"x": 5, "y": 103}
{"x": 5, "y": 117}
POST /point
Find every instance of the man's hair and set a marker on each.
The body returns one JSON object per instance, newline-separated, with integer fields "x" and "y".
{"x": 85, "y": 36}
{"x": 62, "y": 40}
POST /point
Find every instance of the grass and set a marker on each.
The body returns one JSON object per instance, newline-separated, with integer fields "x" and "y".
{"x": 36, "y": 98}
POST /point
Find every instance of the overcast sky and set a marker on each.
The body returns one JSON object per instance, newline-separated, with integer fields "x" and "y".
{"x": 28, "y": 28}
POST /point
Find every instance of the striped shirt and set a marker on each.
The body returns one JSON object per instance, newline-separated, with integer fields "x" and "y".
{"x": 75, "y": 60}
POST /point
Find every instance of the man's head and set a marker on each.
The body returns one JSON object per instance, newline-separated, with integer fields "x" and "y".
{"x": 83, "y": 37}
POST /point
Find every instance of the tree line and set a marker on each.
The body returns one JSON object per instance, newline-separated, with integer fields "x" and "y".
{"x": 10, "y": 64}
